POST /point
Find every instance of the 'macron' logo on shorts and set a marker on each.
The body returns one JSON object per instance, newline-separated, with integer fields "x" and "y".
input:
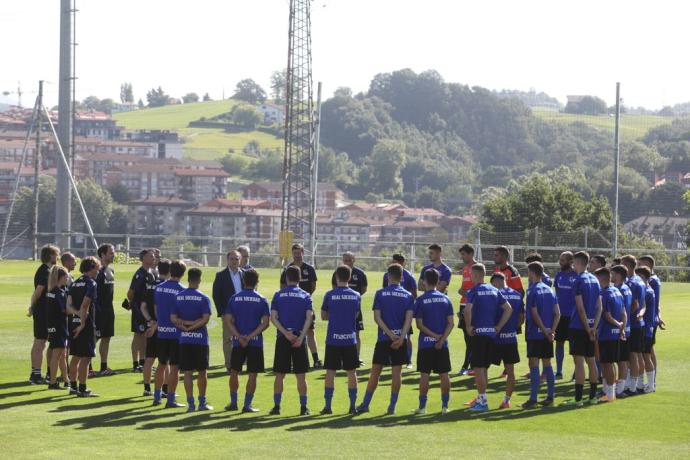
{"x": 479, "y": 330}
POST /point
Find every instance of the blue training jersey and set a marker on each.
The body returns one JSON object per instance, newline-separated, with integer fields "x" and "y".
{"x": 509, "y": 332}
{"x": 248, "y": 308}
{"x": 292, "y": 304}
{"x": 639, "y": 290}
{"x": 565, "y": 292}
{"x": 650, "y": 313}
{"x": 541, "y": 298}
{"x": 443, "y": 270}
{"x": 612, "y": 302}
{"x": 433, "y": 308}
{"x": 587, "y": 286}
{"x": 394, "y": 302}
{"x": 627, "y": 303}
{"x": 408, "y": 281}
{"x": 486, "y": 301}
{"x": 191, "y": 305}
{"x": 655, "y": 284}
{"x": 165, "y": 298}
{"x": 343, "y": 305}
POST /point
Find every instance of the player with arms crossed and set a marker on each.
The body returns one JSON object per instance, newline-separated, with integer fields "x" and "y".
{"x": 611, "y": 332}
{"x": 467, "y": 255}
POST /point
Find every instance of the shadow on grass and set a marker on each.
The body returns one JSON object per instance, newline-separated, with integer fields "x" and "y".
{"x": 51, "y": 397}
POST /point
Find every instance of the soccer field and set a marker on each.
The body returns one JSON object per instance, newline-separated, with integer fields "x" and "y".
{"x": 38, "y": 423}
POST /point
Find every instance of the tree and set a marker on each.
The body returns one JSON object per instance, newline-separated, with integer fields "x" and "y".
{"x": 207, "y": 97}
{"x": 235, "y": 165}
{"x": 106, "y": 106}
{"x": 91, "y": 103}
{"x": 156, "y": 97}
{"x": 279, "y": 86}
{"x": 249, "y": 91}
{"x": 246, "y": 116}
{"x": 119, "y": 193}
{"x": 268, "y": 167}
{"x": 140, "y": 104}
{"x": 667, "y": 200}
{"x": 381, "y": 171}
{"x": 588, "y": 105}
{"x": 190, "y": 97}
{"x": 126, "y": 93}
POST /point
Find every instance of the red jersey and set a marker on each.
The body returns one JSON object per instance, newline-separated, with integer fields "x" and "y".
{"x": 513, "y": 279}
{"x": 467, "y": 283}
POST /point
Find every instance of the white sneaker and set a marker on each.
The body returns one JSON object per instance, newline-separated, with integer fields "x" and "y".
{"x": 444, "y": 410}
{"x": 649, "y": 389}
{"x": 420, "y": 411}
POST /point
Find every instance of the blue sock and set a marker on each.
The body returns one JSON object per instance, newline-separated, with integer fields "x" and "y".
{"x": 367, "y": 398}
{"x": 328, "y": 396}
{"x": 445, "y": 397}
{"x": 352, "y": 393}
{"x": 303, "y": 400}
{"x": 534, "y": 379}
{"x": 248, "y": 399}
{"x": 422, "y": 402}
{"x": 560, "y": 354}
{"x": 202, "y": 401}
{"x": 171, "y": 397}
{"x": 598, "y": 367}
{"x": 550, "y": 381}
{"x": 393, "y": 402}
{"x": 233, "y": 397}
{"x": 157, "y": 395}
{"x": 276, "y": 399}
{"x": 190, "y": 401}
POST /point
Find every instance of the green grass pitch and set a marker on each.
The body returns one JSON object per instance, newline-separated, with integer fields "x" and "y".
{"x": 38, "y": 423}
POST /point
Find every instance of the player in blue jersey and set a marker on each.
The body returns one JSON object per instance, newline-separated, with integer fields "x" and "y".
{"x": 536, "y": 257}
{"x": 148, "y": 311}
{"x": 56, "y": 319}
{"x": 484, "y": 303}
{"x": 505, "y": 347}
{"x": 636, "y": 339}
{"x": 292, "y": 315}
{"x": 341, "y": 308}
{"x": 393, "y": 309}
{"x": 167, "y": 344}
{"x": 190, "y": 315}
{"x": 359, "y": 283}
{"x": 246, "y": 316}
{"x": 435, "y": 321}
{"x": 584, "y": 324}
{"x": 542, "y": 307}
{"x": 655, "y": 284}
{"x": 596, "y": 262}
{"x": 436, "y": 259}
{"x": 649, "y": 321}
{"x": 410, "y": 285}
{"x": 611, "y": 332}
{"x": 564, "y": 283}
{"x": 619, "y": 274}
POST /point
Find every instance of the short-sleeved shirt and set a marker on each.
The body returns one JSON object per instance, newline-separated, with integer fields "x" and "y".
{"x": 56, "y": 303}
{"x": 165, "y": 299}
{"x": 442, "y": 269}
{"x": 191, "y": 305}
{"x": 41, "y": 279}
{"x": 486, "y": 301}
{"x": 611, "y": 301}
{"x": 565, "y": 292}
{"x": 307, "y": 276}
{"x": 433, "y": 308}
{"x": 655, "y": 284}
{"x": 509, "y": 332}
{"x": 292, "y": 304}
{"x": 343, "y": 306}
{"x": 140, "y": 280}
{"x": 84, "y": 287}
{"x": 358, "y": 280}
{"x": 638, "y": 289}
{"x": 627, "y": 303}
{"x": 393, "y": 302}
{"x": 588, "y": 287}
{"x": 543, "y": 299}
{"x": 467, "y": 283}
{"x": 248, "y": 308}
{"x": 105, "y": 285}
{"x": 513, "y": 279}
{"x": 408, "y": 281}
{"x": 650, "y": 313}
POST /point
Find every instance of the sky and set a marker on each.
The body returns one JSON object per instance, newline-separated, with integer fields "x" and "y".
{"x": 560, "y": 47}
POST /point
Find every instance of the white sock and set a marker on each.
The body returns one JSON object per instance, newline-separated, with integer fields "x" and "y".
{"x": 482, "y": 398}
{"x": 640, "y": 382}
{"x": 620, "y": 387}
{"x": 605, "y": 388}
{"x": 629, "y": 382}
{"x": 651, "y": 379}
{"x": 611, "y": 392}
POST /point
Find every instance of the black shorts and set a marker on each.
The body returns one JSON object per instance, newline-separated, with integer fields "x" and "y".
{"x": 40, "y": 319}
{"x": 84, "y": 346}
{"x": 654, "y": 335}
{"x": 562, "y": 330}
{"x": 609, "y": 351}
{"x": 167, "y": 351}
{"x": 151, "y": 346}
{"x": 384, "y": 355}
{"x": 480, "y": 349}
{"x": 193, "y": 357}
{"x": 105, "y": 322}
{"x": 623, "y": 351}
{"x": 580, "y": 345}
{"x": 341, "y": 357}
{"x": 288, "y": 359}
{"x": 505, "y": 352}
{"x": 647, "y": 344}
{"x": 432, "y": 360}
{"x": 360, "y": 321}
{"x": 138, "y": 323}
{"x": 636, "y": 340}
{"x": 253, "y": 356}
{"x": 57, "y": 340}
{"x": 539, "y": 348}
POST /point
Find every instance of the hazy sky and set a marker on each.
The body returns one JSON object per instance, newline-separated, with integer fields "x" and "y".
{"x": 557, "y": 46}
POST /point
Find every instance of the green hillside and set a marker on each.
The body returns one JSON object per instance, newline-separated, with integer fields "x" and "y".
{"x": 200, "y": 143}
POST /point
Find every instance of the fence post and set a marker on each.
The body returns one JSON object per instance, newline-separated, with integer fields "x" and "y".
{"x": 86, "y": 248}
{"x": 220, "y": 252}
{"x": 181, "y": 254}
{"x": 413, "y": 257}
{"x": 536, "y": 236}
{"x": 587, "y": 238}
{"x": 126, "y": 249}
{"x": 204, "y": 257}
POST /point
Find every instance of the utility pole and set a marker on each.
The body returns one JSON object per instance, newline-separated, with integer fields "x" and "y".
{"x": 616, "y": 167}
{"x": 315, "y": 179}
{"x": 37, "y": 167}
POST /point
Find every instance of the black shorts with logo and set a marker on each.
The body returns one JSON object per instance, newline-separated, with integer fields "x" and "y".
{"x": 40, "y": 319}
{"x": 647, "y": 344}
{"x": 288, "y": 359}
{"x": 636, "y": 340}
{"x": 360, "y": 321}
{"x": 57, "y": 340}
{"x": 167, "y": 351}
{"x": 138, "y": 323}
{"x": 539, "y": 348}
{"x": 461, "y": 317}
{"x": 341, "y": 357}
{"x": 480, "y": 349}
{"x": 505, "y": 352}
{"x": 432, "y": 360}
{"x": 580, "y": 344}
{"x": 609, "y": 351}
{"x": 384, "y": 355}
{"x": 105, "y": 322}
{"x": 253, "y": 356}
{"x": 151, "y": 345}
{"x": 623, "y": 351}
{"x": 562, "y": 330}
{"x": 84, "y": 345}
{"x": 193, "y": 357}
